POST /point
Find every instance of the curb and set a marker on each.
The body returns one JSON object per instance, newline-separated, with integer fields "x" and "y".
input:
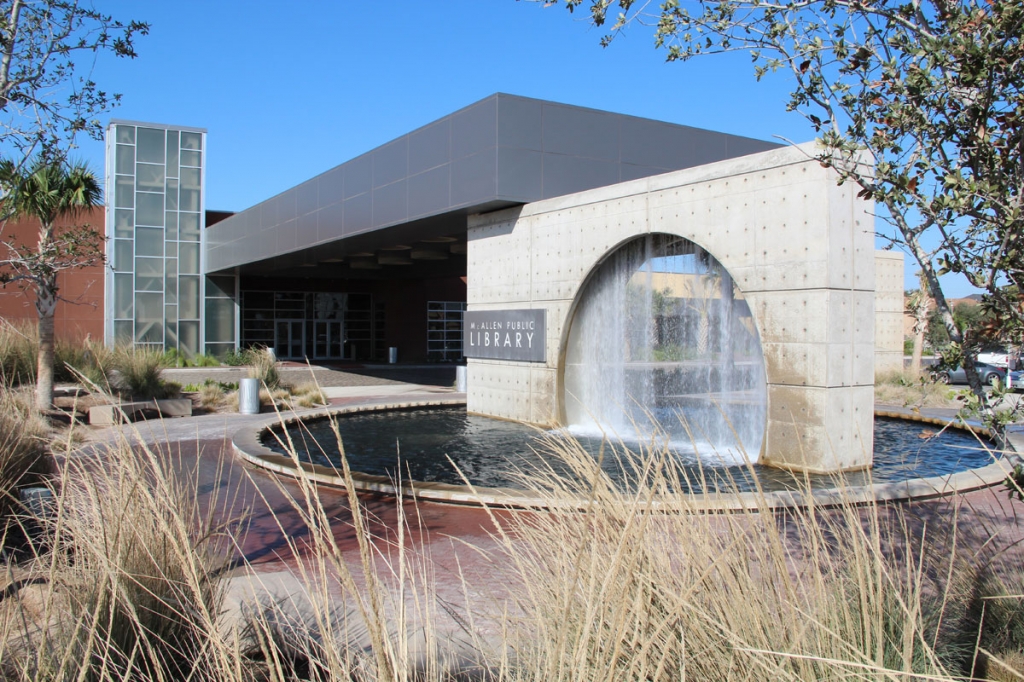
{"x": 246, "y": 443}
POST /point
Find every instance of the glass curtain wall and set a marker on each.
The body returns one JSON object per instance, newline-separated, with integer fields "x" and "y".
{"x": 155, "y": 224}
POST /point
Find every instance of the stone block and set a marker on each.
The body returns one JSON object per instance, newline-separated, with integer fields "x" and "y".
{"x": 107, "y": 415}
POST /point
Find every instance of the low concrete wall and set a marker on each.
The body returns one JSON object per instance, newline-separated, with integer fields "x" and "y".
{"x": 798, "y": 245}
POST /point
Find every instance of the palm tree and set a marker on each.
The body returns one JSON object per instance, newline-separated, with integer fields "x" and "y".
{"x": 48, "y": 191}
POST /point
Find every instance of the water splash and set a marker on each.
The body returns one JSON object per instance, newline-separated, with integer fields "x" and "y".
{"x": 663, "y": 345}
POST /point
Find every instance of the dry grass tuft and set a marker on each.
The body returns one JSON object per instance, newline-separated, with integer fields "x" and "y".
{"x": 308, "y": 395}
{"x": 128, "y": 578}
{"x": 263, "y": 366}
{"x": 25, "y": 459}
{"x": 907, "y": 390}
{"x": 212, "y": 397}
{"x": 641, "y": 585}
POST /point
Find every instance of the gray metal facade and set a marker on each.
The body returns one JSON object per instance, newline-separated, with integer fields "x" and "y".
{"x": 503, "y": 150}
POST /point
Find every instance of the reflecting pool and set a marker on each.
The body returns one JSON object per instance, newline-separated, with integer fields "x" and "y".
{"x": 435, "y": 444}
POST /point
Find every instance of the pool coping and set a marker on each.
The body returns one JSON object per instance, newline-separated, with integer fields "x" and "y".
{"x": 246, "y": 444}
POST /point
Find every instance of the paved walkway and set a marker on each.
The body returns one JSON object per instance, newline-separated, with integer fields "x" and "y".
{"x": 455, "y": 543}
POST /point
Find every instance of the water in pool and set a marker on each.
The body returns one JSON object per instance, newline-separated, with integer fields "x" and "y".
{"x": 490, "y": 452}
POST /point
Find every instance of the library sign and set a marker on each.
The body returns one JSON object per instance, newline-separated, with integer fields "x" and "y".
{"x": 504, "y": 335}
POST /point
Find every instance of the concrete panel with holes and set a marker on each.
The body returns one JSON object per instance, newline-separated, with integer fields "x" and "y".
{"x": 798, "y": 246}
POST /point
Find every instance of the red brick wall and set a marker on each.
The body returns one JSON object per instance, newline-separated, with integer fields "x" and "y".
{"x": 81, "y": 313}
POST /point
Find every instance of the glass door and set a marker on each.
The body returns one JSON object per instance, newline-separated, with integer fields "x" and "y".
{"x": 328, "y": 336}
{"x": 290, "y": 339}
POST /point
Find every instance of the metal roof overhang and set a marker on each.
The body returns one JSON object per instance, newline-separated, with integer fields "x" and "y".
{"x": 501, "y": 151}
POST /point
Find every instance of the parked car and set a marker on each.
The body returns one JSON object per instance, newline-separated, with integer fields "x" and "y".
{"x": 1015, "y": 380}
{"x": 999, "y": 356}
{"x": 989, "y": 374}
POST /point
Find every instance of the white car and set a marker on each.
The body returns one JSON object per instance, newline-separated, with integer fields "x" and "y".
{"x": 999, "y": 357}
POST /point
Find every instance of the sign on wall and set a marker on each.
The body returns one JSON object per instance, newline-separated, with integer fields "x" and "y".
{"x": 504, "y": 335}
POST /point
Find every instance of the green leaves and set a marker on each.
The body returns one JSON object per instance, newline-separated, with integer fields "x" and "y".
{"x": 933, "y": 90}
{"x": 47, "y": 94}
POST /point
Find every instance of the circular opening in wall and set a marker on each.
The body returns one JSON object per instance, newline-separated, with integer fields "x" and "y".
{"x": 662, "y": 344}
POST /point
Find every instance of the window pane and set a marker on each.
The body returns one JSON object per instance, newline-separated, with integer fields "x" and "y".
{"x": 149, "y": 241}
{"x": 150, "y": 143}
{"x": 150, "y": 332}
{"x": 171, "y": 250}
{"x": 188, "y": 299}
{"x": 126, "y": 134}
{"x": 124, "y": 192}
{"x": 220, "y": 286}
{"x": 171, "y": 314}
{"x": 219, "y": 349}
{"x": 220, "y": 320}
{"x": 149, "y": 307}
{"x": 189, "y": 227}
{"x": 150, "y": 210}
{"x": 191, "y": 140}
{"x": 125, "y": 159}
{"x": 171, "y": 332}
{"x": 190, "y": 178}
{"x": 124, "y": 254}
{"x": 124, "y": 223}
{"x": 188, "y": 337}
{"x": 172, "y": 194}
{"x": 172, "y": 153}
{"x": 149, "y": 177}
{"x": 171, "y": 283}
{"x": 124, "y": 296}
{"x": 149, "y": 275}
{"x": 171, "y": 218}
{"x": 124, "y": 331}
{"x": 189, "y": 200}
{"x": 188, "y": 258}
{"x": 149, "y": 318}
{"x": 189, "y": 158}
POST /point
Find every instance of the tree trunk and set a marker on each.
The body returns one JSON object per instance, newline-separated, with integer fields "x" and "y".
{"x": 46, "y": 304}
{"x": 921, "y": 310}
{"x": 915, "y": 359}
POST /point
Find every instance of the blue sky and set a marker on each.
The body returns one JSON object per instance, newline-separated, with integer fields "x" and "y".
{"x": 289, "y": 90}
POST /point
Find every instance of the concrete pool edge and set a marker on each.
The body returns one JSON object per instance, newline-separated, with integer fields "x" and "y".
{"x": 246, "y": 444}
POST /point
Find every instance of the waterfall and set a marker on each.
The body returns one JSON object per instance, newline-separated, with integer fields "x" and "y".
{"x": 662, "y": 345}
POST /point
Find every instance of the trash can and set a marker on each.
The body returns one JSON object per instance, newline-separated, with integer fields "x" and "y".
{"x": 249, "y": 396}
{"x": 392, "y": 355}
{"x": 460, "y": 379}
{"x": 38, "y": 502}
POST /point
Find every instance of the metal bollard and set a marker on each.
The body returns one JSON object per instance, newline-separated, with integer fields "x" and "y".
{"x": 460, "y": 379}
{"x": 392, "y": 355}
{"x": 249, "y": 396}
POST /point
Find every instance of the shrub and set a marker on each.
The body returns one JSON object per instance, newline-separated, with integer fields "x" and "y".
{"x": 24, "y": 456}
{"x": 205, "y": 361}
{"x": 903, "y": 388}
{"x": 132, "y": 590}
{"x": 263, "y": 366}
{"x": 19, "y": 345}
{"x": 642, "y": 586}
{"x": 138, "y": 373}
{"x": 235, "y": 358}
{"x": 212, "y": 396}
{"x": 308, "y": 394}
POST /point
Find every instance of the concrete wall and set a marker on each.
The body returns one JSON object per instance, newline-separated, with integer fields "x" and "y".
{"x": 799, "y": 247}
{"x": 888, "y": 311}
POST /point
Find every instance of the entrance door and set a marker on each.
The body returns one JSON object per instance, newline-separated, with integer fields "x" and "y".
{"x": 290, "y": 339}
{"x": 327, "y": 340}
